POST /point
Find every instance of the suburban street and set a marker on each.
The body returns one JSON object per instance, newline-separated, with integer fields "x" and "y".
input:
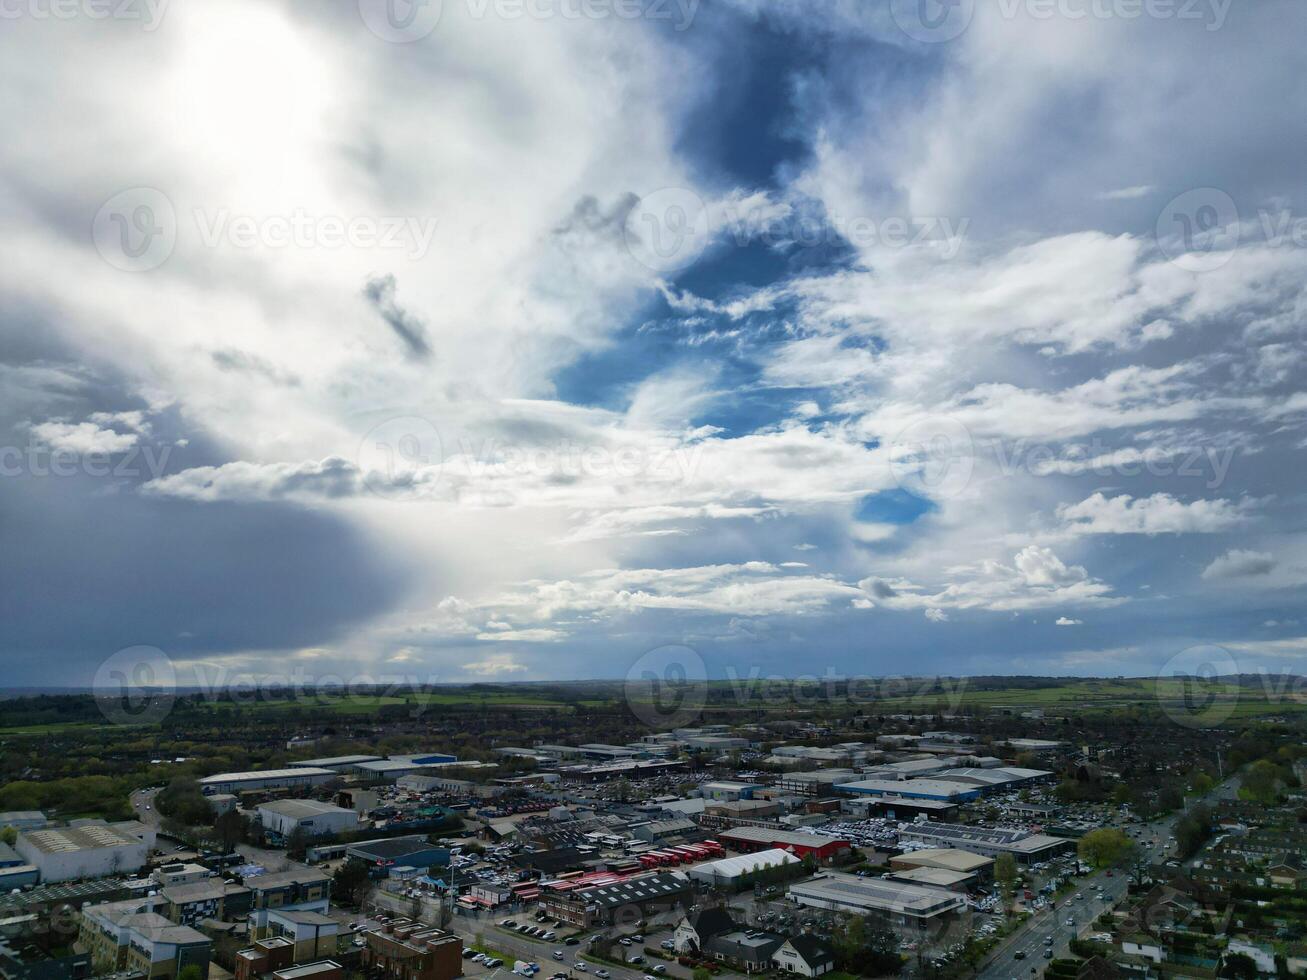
{"x": 1083, "y": 906}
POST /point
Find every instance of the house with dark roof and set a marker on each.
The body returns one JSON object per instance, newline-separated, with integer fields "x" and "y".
{"x": 807, "y": 956}
{"x": 693, "y": 932}
{"x": 749, "y": 950}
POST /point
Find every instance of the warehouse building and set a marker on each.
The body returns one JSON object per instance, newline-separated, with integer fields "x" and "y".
{"x": 412, "y": 851}
{"x": 23, "y": 819}
{"x": 732, "y": 872}
{"x": 601, "y": 905}
{"x": 336, "y": 763}
{"x": 749, "y": 839}
{"x": 897, "y": 808}
{"x": 912, "y": 769}
{"x": 304, "y": 777}
{"x": 93, "y": 851}
{"x": 991, "y": 780}
{"x": 729, "y": 790}
{"x": 958, "y": 881}
{"x": 907, "y": 907}
{"x": 316, "y": 819}
{"x": 1026, "y": 847}
{"x": 945, "y": 859}
{"x": 814, "y": 782}
{"x": 912, "y": 789}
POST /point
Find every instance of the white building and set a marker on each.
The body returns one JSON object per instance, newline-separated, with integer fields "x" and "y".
{"x": 313, "y": 818}
{"x": 728, "y": 872}
{"x": 234, "y": 782}
{"x": 94, "y": 851}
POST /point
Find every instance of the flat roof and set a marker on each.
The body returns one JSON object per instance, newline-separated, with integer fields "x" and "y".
{"x": 765, "y": 835}
{"x": 299, "y": 809}
{"x": 906, "y": 787}
{"x": 877, "y": 893}
{"x": 307, "y": 969}
{"x": 263, "y": 774}
{"x": 939, "y": 877}
{"x": 63, "y": 840}
{"x": 949, "y": 858}
{"x": 335, "y": 760}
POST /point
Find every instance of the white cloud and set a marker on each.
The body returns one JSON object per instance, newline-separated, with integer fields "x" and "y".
{"x": 1159, "y": 514}
{"x": 1240, "y": 563}
{"x": 83, "y": 438}
{"x": 1067, "y": 621}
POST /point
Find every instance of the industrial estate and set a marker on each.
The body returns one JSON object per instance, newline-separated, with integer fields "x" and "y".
{"x": 569, "y": 837}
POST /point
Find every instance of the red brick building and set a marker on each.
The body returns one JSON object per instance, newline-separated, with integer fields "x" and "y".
{"x": 404, "y": 950}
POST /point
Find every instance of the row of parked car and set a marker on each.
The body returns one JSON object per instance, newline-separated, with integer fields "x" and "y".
{"x": 537, "y": 932}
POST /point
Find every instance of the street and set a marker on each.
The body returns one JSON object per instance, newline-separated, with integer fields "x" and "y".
{"x": 1030, "y": 941}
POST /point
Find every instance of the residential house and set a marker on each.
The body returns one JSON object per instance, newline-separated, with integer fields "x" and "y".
{"x": 804, "y": 955}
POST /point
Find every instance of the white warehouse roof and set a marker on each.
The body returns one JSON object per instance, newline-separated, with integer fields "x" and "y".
{"x": 743, "y": 864}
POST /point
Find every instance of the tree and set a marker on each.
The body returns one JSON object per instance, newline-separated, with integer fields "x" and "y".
{"x": 1261, "y": 783}
{"x": 700, "y": 973}
{"x": 1240, "y": 966}
{"x": 1104, "y": 848}
{"x": 230, "y": 828}
{"x": 9, "y": 835}
{"x": 1005, "y": 873}
{"x": 349, "y": 882}
{"x": 190, "y": 972}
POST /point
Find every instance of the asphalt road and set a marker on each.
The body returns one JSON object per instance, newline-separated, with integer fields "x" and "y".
{"x": 1029, "y": 940}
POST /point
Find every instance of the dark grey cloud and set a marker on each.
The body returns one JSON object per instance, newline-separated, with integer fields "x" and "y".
{"x": 231, "y": 359}
{"x": 380, "y": 293}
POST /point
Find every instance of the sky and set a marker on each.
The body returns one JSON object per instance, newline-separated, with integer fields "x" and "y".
{"x": 517, "y": 340}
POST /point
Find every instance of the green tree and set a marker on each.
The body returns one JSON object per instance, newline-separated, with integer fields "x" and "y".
{"x": 1005, "y": 873}
{"x": 349, "y": 882}
{"x": 1104, "y": 848}
{"x": 700, "y": 973}
{"x": 230, "y": 829}
{"x": 9, "y": 835}
{"x": 190, "y": 972}
{"x": 1240, "y": 966}
{"x": 1261, "y": 783}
